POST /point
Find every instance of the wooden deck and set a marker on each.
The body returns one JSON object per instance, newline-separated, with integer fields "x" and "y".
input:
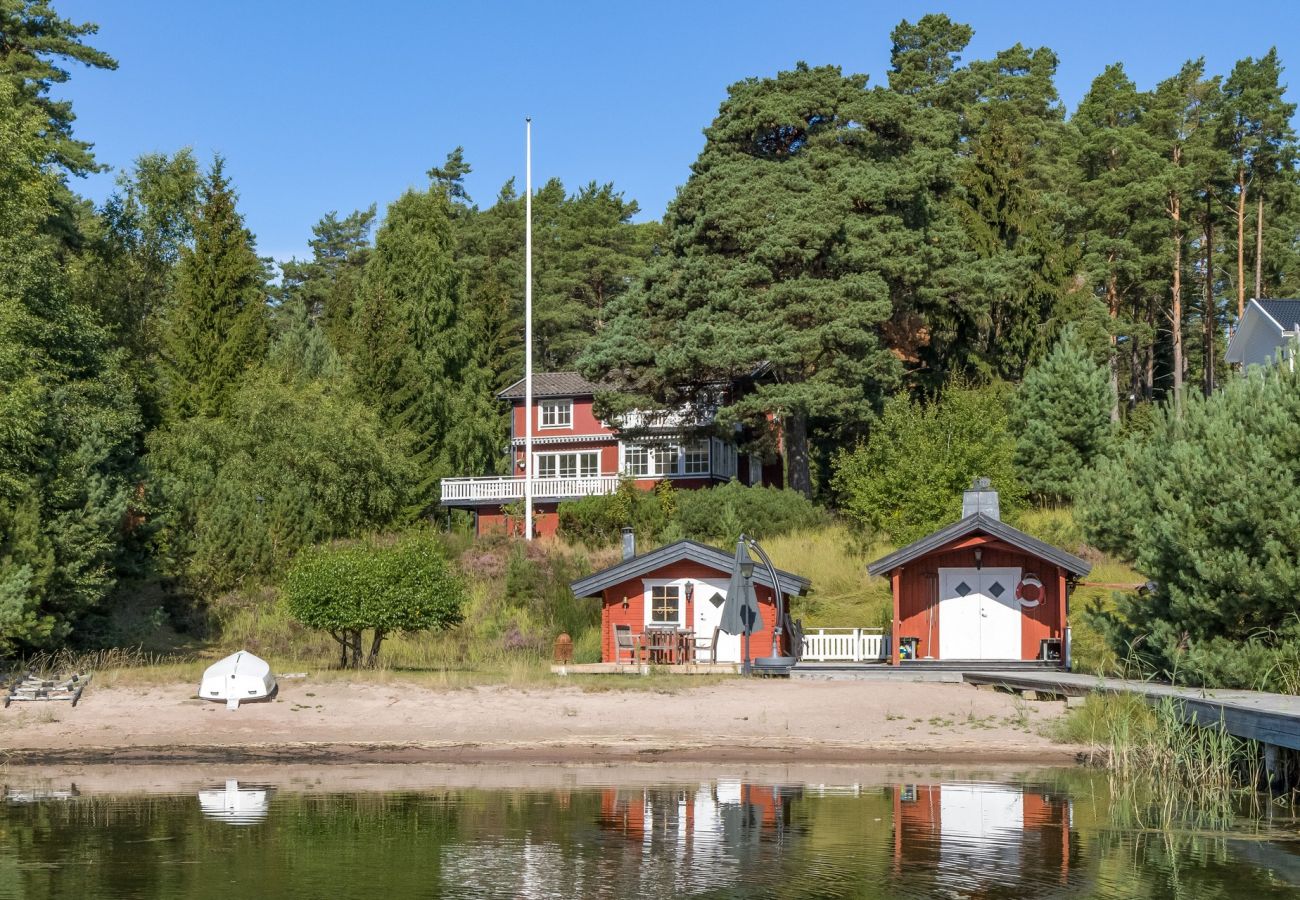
{"x": 629, "y": 668}
{"x": 1268, "y": 718}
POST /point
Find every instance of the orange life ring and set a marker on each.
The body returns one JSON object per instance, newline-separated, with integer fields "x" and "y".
{"x": 1034, "y": 596}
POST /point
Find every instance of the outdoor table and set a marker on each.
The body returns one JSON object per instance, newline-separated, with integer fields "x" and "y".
{"x": 668, "y": 646}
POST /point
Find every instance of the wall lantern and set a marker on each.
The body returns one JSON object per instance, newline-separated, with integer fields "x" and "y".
{"x": 625, "y": 601}
{"x": 690, "y": 592}
{"x": 979, "y": 557}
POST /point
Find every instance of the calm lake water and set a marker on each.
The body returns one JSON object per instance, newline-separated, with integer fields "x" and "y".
{"x": 646, "y": 832}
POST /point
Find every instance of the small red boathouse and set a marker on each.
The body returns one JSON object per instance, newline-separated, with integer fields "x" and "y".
{"x": 980, "y": 589}
{"x": 668, "y": 603}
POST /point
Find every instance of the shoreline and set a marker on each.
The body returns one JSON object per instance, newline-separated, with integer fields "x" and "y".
{"x": 415, "y": 753}
{"x": 333, "y": 722}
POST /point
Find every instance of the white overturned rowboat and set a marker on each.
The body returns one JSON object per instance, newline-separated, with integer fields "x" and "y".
{"x": 239, "y": 677}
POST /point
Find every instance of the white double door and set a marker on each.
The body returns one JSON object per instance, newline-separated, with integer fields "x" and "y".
{"x": 709, "y": 597}
{"x": 979, "y": 616}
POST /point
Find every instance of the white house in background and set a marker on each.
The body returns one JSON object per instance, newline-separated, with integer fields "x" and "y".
{"x": 1266, "y": 333}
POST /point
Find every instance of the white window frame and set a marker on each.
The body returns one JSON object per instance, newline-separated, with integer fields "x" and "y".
{"x": 557, "y": 410}
{"x": 695, "y": 448}
{"x": 556, "y": 467}
{"x": 649, "y": 585}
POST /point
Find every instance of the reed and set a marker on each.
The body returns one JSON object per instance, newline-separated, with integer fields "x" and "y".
{"x": 1162, "y": 766}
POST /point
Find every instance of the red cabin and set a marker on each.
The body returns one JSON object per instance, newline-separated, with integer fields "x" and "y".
{"x": 576, "y": 454}
{"x": 665, "y": 606}
{"x": 981, "y": 590}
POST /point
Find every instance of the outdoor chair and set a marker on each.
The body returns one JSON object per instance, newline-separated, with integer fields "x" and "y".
{"x": 624, "y": 642}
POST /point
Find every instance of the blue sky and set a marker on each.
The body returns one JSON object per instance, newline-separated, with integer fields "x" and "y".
{"x": 331, "y": 105}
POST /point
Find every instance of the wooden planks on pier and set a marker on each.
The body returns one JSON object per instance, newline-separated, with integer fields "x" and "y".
{"x": 1268, "y": 718}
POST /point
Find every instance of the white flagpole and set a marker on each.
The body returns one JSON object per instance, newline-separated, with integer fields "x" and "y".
{"x": 528, "y": 329}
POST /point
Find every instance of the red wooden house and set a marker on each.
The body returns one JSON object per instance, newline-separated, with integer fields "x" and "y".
{"x": 679, "y": 589}
{"x": 981, "y": 590}
{"x": 576, "y": 454}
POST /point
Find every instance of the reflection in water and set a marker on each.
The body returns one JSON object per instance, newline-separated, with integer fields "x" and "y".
{"x": 233, "y": 805}
{"x": 715, "y": 838}
{"x": 965, "y": 836}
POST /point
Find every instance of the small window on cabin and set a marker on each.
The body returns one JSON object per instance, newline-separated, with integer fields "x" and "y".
{"x": 557, "y": 413}
{"x": 665, "y": 604}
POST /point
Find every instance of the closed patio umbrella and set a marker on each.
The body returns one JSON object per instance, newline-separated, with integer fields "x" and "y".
{"x": 740, "y": 612}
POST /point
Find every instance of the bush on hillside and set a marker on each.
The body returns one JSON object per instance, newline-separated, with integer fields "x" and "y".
{"x": 293, "y": 463}
{"x": 405, "y": 586}
{"x": 713, "y": 514}
{"x": 908, "y": 478}
{"x": 724, "y": 512}
{"x": 599, "y": 521}
{"x": 1207, "y": 505}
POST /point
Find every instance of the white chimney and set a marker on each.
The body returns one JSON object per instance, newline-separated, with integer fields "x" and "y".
{"x": 980, "y": 499}
{"x": 629, "y": 543}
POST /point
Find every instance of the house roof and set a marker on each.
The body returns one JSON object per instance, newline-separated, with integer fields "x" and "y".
{"x": 980, "y": 523}
{"x": 554, "y": 384}
{"x": 1285, "y": 313}
{"x": 688, "y": 551}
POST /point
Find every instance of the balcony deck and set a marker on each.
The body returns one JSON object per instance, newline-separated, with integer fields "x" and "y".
{"x": 507, "y": 489}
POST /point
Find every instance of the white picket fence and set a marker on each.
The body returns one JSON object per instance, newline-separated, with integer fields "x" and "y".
{"x": 844, "y": 645}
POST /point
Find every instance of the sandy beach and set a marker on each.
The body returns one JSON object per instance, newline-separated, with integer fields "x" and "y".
{"x": 340, "y": 722}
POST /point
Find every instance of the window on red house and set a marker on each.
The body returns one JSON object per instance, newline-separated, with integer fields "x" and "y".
{"x": 665, "y": 604}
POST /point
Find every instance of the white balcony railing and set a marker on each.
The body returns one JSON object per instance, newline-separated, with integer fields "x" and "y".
{"x": 507, "y": 489}
{"x": 844, "y": 644}
{"x": 658, "y": 418}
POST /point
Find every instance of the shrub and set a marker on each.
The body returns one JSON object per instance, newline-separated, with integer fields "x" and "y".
{"x": 406, "y": 586}
{"x": 1207, "y": 505}
{"x": 598, "y": 521}
{"x": 724, "y": 512}
{"x": 294, "y": 463}
{"x": 908, "y": 479}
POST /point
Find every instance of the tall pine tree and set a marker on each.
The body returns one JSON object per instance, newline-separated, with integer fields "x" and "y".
{"x": 216, "y": 326}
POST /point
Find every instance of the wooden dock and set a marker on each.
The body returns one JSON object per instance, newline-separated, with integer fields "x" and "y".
{"x": 1272, "y": 719}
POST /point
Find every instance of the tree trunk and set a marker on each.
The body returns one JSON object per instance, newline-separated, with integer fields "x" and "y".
{"x": 1259, "y": 245}
{"x": 1207, "y": 341}
{"x": 797, "y": 466}
{"x": 374, "y": 648}
{"x": 354, "y": 638}
{"x": 1176, "y": 314}
{"x": 341, "y": 637}
{"x": 1241, "y": 242}
{"x": 1112, "y": 305}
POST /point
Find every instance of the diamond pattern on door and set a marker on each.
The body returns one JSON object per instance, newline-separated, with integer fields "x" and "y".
{"x": 996, "y": 589}
{"x": 962, "y": 589}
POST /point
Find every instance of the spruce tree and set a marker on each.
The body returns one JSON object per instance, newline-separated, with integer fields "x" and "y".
{"x": 68, "y": 417}
{"x": 416, "y": 356}
{"x": 1061, "y": 419}
{"x": 1204, "y": 505}
{"x": 216, "y": 326}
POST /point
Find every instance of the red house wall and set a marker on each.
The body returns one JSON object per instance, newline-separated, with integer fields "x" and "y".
{"x": 613, "y": 613}
{"x": 919, "y": 590}
{"x": 584, "y": 419}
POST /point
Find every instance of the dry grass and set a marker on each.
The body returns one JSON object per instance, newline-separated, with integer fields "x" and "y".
{"x": 843, "y": 595}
